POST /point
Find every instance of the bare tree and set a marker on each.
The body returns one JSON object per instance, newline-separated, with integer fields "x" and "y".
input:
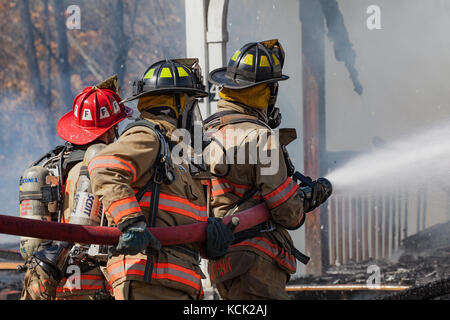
{"x": 63, "y": 52}
{"x": 30, "y": 54}
{"x": 48, "y": 72}
{"x": 121, "y": 40}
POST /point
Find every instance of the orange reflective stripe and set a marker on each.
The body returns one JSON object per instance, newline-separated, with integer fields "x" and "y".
{"x": 67, "y": 186}
{"x": 129, "y": 266}
{"x": 118, "y": 209}
{"x": 274, "y": 251}
{"x": 177, "y": 273}
{"x": 222, "y": 186}
{"x": 68, "y": 288}
{"x": 87, "y": 282}
{"x": 177, "y": 205}
{"x": 182, "y": 200}
{"x": 281, "y": 194}
{"x": 170, "y": 271}
{"x": 126, "y": 273}
{"x": 112, "y": 162}
{"x": 216, "y": 182}
{"x": 279, "y": 189}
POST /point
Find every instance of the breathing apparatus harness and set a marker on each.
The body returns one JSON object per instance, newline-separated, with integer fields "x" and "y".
{"x": 164, "y": 172}
{"x": 229, "y": 117}
{"x": 58, "y": 163}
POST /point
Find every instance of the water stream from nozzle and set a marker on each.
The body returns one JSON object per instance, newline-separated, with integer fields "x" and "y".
{"x": 413, "y": 161}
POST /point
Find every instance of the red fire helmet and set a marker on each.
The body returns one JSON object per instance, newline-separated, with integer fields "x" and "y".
{"x": 94, "y": 112}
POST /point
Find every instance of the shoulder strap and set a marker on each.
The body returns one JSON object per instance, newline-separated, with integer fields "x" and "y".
{"x": 75, "y": 156}
{"x": 164, "y": 172}
{"x": 224, "y": 118}
{"x": 52, "y": 153}
{"x": 142, "y": 122}
{"x": 164, "y": 169}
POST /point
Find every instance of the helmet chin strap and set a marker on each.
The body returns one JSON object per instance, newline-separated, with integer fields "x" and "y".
{"x": 178, "y": 106}
{"x": 273, "y": 112}
{"x": 273, "y": 96}
{"x": 116, "y": 131}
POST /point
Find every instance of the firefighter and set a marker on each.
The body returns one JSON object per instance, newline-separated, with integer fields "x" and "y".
{"x": 141, "y": 186}
{"x": 260, "y": 261}
{"x": 89, "y": 127}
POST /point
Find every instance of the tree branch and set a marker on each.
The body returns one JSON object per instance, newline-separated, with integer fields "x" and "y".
{"x": 91, "y": 64}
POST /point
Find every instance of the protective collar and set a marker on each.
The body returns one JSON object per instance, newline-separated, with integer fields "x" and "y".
{"x": 149, "y": 102}
{"x": 224, "y": 105}
{"x": 256, "y": 97}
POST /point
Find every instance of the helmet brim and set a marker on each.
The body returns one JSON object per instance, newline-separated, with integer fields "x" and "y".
{"x": 69, "y": 131}
{"x": 197, "y": 93}
{"x": 218, "y": 77}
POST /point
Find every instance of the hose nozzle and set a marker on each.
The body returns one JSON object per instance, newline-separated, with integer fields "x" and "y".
{"x": 327, "y": 186}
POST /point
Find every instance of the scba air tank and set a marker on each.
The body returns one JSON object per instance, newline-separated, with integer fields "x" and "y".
{"x": 32, "y": 205}
{"x": 88, "y": 208}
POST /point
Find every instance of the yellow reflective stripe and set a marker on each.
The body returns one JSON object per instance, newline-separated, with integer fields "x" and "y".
{"x": 275, "y": 59}
{"x": 149, "y": 74}
{"x": 165, "y": 73}
{"x": 182, "y": 72}
{"x": 248, "y": 59}
{"x": 264, "y": 62}
{"x": 236, "y": 54}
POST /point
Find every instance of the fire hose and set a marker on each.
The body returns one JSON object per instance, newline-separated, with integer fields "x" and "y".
{"x": 110, "y": 236}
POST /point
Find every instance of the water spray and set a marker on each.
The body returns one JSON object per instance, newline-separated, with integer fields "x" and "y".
{"x": 414, "y": 161}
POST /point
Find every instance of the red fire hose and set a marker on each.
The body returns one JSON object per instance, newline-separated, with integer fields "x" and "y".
{"x": 110, "y": 236}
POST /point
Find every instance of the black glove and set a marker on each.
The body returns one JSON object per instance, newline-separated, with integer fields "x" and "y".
{"x": 135, "y": 238}
{"x": 219, "y": 237}
{"x": 316, "y": 195}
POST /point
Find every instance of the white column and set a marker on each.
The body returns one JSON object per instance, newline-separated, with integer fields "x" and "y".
{"x": 217, "y": 38}
{"x": 196, "y": 47}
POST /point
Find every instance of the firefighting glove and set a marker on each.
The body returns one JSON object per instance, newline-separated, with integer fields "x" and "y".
{"x": 313, "y": 196}
{"x": 136, "y": 238}
{"x": 219, "y": 237}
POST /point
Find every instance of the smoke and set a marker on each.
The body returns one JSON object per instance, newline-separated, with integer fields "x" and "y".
{"x": 404, "y": 67}
{"x": 414, "y": 161}
{"x": 338, "y": 34}
{"x": 23, "y": 139}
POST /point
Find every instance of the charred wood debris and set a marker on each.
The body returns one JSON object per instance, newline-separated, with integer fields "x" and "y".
{"x": 422, "y": 263}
